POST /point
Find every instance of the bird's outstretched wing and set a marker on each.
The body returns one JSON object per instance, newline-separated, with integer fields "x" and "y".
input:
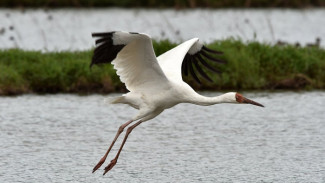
{"x": 133, "y": 58}
{"x": 188, "y": 58}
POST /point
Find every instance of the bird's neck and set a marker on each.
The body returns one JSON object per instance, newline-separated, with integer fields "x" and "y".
{"x": 205, "y": 101}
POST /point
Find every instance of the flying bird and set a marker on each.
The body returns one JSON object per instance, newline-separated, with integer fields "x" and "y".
{"x": 156, "y": 83}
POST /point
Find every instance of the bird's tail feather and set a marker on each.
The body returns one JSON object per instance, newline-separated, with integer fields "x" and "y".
{"x": 115, "y": 100}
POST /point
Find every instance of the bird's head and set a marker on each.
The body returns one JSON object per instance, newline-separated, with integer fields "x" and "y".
{"x": 239, "y": 98}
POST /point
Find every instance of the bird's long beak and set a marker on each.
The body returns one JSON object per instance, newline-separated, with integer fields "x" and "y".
{"x": 241, "y": 99}
{"x": 249, "y": 101}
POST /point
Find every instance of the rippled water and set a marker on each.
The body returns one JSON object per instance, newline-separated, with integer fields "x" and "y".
{"x": 70, "y": 29}
{"x": 59, "y": 138}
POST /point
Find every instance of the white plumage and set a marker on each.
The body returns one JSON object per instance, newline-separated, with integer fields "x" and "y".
{"x": 137, "y": 62}
{"x": 171, "y": 61}
{"x": 155, "y": 84}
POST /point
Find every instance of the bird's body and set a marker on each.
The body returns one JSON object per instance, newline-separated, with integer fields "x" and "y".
{"x": 173, "y": 94}
{"x": 155, "y": 84}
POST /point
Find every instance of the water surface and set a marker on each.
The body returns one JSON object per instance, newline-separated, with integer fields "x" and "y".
{"x": 59, "y": 138}
{"x": 70, "y": 29}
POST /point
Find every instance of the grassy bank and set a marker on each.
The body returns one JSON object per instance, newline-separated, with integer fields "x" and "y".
{"x": 164, "y": 4}
{"x": 250, "y": 66}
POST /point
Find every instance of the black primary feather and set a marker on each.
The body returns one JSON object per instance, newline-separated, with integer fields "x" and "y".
{"x": 211, "y": 51}
{"x": 192, "y": 71}
{"x": 103, "y": 40}
{"x": 198, "y": 68}
{"x": 196, "y": 62}
{"x": 211, "y": 58}
{"x": 185, "y": 65}
{"x": 206, "y": 64}
{"x": 103, "y": 34}
{"x": 105, "y": 51}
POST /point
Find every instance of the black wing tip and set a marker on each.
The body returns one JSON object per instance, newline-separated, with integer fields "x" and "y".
{"x": 207, "y": 65}
{"x": 105, "y": 51}
{"x": 211, "y": 50}
{"x": 206, "y": 55}
{"x": 103, "y": 34}
{"x": 103, "y": 39}
{"x": 192, "y": 72}
{"x": 184, "y": 65}
{"x": 198, "y": 68}
{"x": 191, "y": 62}
{"x": 108, "y": 34}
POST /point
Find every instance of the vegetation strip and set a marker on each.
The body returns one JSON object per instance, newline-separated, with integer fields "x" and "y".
{"x": 250, "y": 66}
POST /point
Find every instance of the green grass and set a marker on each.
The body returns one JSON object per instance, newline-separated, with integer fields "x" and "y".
{"x": 259, "y": 66}
{"x": 249, "y": 66}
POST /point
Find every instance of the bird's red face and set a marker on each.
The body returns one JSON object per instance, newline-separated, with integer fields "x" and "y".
{"x": 243, "y": 100}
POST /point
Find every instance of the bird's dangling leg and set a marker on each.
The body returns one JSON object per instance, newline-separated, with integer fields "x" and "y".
{"x": 120, "y": 130}
{"x": 113, "y": 162}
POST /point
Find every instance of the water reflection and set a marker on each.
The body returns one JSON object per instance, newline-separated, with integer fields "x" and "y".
{"x": 60, "y": 138}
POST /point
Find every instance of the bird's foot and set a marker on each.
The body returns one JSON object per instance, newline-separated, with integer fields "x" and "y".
{"x": 99, "y": 164}
{"x": 110, "y": 166}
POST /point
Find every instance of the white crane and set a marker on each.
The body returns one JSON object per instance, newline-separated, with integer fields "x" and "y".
{"x": 155, "y": 84}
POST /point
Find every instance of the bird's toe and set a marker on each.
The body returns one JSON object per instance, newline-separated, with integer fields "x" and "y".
{"x": 99, "y": 164}
{"x": 110, "y": 166}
